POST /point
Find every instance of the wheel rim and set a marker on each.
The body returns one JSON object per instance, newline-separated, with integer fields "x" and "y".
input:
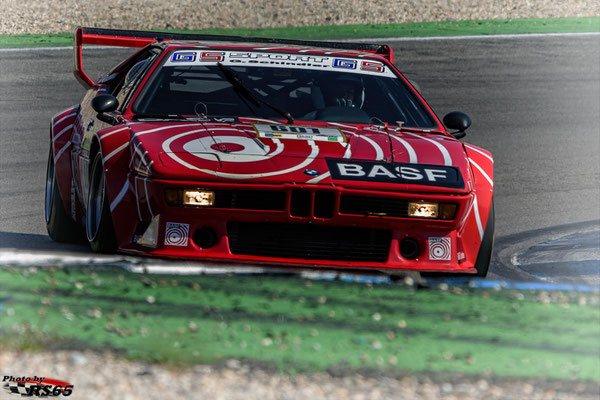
{"x": 49, "y": 187}
{"x": 95, "y": 203}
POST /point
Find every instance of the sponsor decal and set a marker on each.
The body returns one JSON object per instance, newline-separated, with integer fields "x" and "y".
{"x": 299, "y": 133}
{"x": 375, "y": 171}
{"x": 372, "y": 66}
{"x": 177, "y": 234}
{"x": 344, "y": 63}
{"x": 183, "y": 56}
{"x": 279, "y": 60}
{"x": 440, "y": 248}
{"x": 212, "y": 56}
{"x": 36, "y": 386}
{"x": 311, "y": 172}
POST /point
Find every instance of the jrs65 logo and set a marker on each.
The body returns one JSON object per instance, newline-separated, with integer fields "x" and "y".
{"x": 36, "y": 386}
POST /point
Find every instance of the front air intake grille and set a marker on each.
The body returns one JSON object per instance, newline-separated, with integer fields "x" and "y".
{"x": 309, "y": 242}
{"x": 250, "y": 200}
{"x": 324, "y": 204}
{"x": 380, "y": 206}
{"x": 300, "y": 203}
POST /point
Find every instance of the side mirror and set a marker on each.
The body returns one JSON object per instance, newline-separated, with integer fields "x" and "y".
{"x": 459, "y": 121}
{"x": 104, "y": 103}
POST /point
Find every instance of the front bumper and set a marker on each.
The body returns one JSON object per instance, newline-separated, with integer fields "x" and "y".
{"x": 300, "y": 225}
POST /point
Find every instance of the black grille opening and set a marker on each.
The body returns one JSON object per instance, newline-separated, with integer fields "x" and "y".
{"x": 309, "y": 241}
{"x": 250, "y": 199}
{"x": 205, "y": 237}
{"x": 409, "y": 248}
{"x": 324, "y": 204}
{"x": 381, "y": 206}
{"x": 300, "y": 203}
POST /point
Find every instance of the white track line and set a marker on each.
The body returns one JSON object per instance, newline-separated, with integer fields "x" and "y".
{"x": 472, "y": 37}
{"x": 363, "y": 40}
{"x": 57, "y": 48}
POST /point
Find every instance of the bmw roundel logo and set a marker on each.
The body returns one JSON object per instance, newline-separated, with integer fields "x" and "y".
{"x": 311, "y": 172}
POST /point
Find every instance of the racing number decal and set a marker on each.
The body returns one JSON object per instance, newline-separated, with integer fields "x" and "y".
{"x": 300, "y": 133}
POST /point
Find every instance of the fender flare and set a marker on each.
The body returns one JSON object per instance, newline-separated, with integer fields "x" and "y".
{"x": 62, "y": 127}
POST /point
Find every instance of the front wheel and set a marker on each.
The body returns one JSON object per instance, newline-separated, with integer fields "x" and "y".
{"x": 484, "y": 257}
{"x": 98, "y": 221}
{"x": 59, "y": 224}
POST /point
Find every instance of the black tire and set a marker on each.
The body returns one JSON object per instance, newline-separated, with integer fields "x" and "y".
{"x": 484, "y": 257}
{"x": 59, "y": 224}
{"x": 98, "y": 220}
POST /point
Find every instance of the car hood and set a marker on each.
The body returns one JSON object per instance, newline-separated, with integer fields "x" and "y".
{"x": 272, "y": 153}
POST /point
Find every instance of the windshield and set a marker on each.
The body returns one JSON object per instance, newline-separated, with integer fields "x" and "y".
{"x": 307, "y": 87}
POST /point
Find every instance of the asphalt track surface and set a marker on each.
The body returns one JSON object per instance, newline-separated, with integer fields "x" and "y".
{"x": 534, "y": 102}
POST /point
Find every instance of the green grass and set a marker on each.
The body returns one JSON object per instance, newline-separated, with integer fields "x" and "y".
{"x": 297, "y": 325}
{"x": 443, "y": 28}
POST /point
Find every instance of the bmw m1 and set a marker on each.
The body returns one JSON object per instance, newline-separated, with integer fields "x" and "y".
{"x": 266, "y": 151}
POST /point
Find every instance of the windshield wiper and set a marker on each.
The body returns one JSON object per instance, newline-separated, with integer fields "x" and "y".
{"x": 240, "y": 88}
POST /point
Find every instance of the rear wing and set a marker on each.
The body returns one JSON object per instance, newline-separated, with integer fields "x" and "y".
{"x": 129, "y": 38}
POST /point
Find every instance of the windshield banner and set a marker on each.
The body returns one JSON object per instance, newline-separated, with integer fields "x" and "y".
{"x": 278, "y": 60}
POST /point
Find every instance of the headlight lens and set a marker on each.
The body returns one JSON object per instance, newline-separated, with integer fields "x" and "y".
{"x": 425, "y": 209}
{"x": 203, "y": 198}
{"x": 190, "y": 197}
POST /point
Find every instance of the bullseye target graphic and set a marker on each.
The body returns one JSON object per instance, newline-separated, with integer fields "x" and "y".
{"x": 251, "y": 158}
{"x": 440, "y": 248}
{"x": 234, "y": 152}
{"x": 177, "y": 234}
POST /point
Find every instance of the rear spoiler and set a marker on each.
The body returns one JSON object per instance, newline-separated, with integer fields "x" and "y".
{"x": 129, "y": 38}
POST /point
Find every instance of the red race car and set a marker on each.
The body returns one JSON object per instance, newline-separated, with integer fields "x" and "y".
{"x": 269, "y": 151}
